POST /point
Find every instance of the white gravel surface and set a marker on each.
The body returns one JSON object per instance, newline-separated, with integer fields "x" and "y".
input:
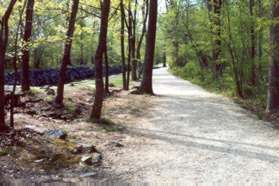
{"x": 193, "y": 136}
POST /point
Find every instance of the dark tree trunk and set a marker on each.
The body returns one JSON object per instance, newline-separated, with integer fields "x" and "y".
{"x": 99, "y": 95}
{"x": 143, "y": 32}
{"x": 25, "y": 83}
{"x": 273, "y": 90}
{"x": 106, "y": 71}
{"x": 124, "y": 78}
{"x": 253, "y": 44}
{"x": 14, "y": 63}
{"x": 146, "y": 84}
{"x": 130, "y": 37}
{"x": 165, "y": 59}
{"x": 4, "y": 34}
{"x": 133, "y": 44}
{"x": 260, "y": 37}
{"x": 67, "y": 54}
{"x": 214, "y": 7}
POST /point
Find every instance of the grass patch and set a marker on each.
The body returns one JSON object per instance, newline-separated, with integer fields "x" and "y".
{"x": 36, "y": 90}
{"x": 4, "y": 152}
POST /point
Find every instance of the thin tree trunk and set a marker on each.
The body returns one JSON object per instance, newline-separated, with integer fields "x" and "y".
{"x": 124, "y": 78}
{"x": 273, "y": 90}
{"x": 133, "y": 43}
{"x": 99, "y": 95}
{"x": 214, "y": 8}
{"x": 260, "y": 38}
{"x": 253, "y": 44}
{"x": 146, "y": 84}
{"x": 25, "y": 83}
{"x": 4, "y": 34}
{"x": 143, "y": 32}
{"x": 67, "y": 54}
{"x": 130, "y": 35}
{"x": 15, "y": 59}
{"x": 106, "y": 71}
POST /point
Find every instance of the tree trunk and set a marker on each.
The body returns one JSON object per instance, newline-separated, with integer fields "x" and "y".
{"x": 4, "y": 34}
{"x": 67, "y": 54}
{"x": 273, "y": 90}
{"x": 124, "y": 79}
{"x": 99, "y": 95}
{"x": 260, "y": 37}
{"x": 214, "y": 8}
{"x": 146, "y": 84}
{"x": 133, "y": 43}
{"x": 143, "y": 32}
{"x": 106, "y": 71}
{"x": 130, "y": 37}
{"x": 253, "y": 44}
{"x": 25, "y": 83}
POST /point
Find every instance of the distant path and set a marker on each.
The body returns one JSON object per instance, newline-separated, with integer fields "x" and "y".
{"x": 196, "y": 136}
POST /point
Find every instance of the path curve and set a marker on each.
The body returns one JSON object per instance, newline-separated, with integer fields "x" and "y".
{"x": 196, "y": 136}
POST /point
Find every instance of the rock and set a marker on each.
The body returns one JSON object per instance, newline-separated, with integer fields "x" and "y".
{"x": 31, "y": 112}
{"x": 89, "y": 148}
{"x": 39, "y": 161}
{"x": 87, "y": 160}
{"x": 95, "y": 158}
{"x": 88, "y": 174}
{"x": 50, "y": 92}
{"x": 116, "y": 144}
{"x": 39, "y": 130}
{"x": 85, "y": 148}
{"x": 78, "y": 149}
{"x": 56, "y": 133}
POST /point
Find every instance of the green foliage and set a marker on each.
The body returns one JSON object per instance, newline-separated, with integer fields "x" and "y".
{"x": 190, "y": 31}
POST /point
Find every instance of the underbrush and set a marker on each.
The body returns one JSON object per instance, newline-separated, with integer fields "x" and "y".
{"x": 255, "y": 97}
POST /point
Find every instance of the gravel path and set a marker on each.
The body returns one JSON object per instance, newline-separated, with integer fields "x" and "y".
{"x": 192, "y": 135}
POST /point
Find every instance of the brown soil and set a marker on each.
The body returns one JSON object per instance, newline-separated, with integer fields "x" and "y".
{"x": 26, "y": 153}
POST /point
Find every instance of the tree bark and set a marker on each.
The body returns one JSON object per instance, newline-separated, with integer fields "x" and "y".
{"x": 25, "y": 83}
{"x": 214, "y": 8}
{"x": 4, "y": 34}
{"x": 99, "y": 95}
{"x": 122, "y": 35}
{"x": 130, "y": 37}
{"x": 67, "y": 54}
{"x": 273, "y": 90}
{"x": 133, "y": 43}
{"x": 253, "y": 44}
{"x": 106, "y": 71}
{"x": 143, "y": 32}
{"x": 146, "y": 84}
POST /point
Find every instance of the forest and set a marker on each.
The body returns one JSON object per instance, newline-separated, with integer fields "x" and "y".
{"x": 94, "y": 90}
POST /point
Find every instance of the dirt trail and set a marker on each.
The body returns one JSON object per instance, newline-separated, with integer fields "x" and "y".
{"x": 192, "y": 135}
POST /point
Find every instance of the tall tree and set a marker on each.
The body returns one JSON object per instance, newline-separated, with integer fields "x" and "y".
{"x": 214, "y": 7}
{"x": 122, "y": 36}
{"x": 99, "y": 94}
{"x": 253, "y": 43}
{"x": 273, "y": 90}
{"x": 133, "y": 43}
{"x": 4, "y": 35}
{"x": 145, "y": 9}
{"x": 67, "y": 54}
{"x": 130, "y": 45}
{"x": 146, "y": 84}
{"x": 106, "y": 70}
{"x": 25, "y": 83}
